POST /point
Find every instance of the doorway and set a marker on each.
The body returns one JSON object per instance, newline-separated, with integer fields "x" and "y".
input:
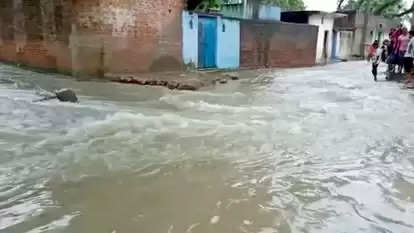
{"x": 207, "y": 42}
{"x": 334, "y": 43}
{"x": 325, "y": 46}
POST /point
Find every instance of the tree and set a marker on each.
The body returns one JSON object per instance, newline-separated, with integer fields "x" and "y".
{"x": 387, "y": 8}
{"x": 340, "y": 3}
{"x": 290, "y": 5}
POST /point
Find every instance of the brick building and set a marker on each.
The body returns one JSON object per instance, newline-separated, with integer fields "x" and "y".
{"x": 98, "y": 37}
{"x": 92, "y": 37}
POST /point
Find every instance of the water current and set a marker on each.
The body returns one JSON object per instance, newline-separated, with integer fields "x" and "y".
{"x": 312, "y": 150}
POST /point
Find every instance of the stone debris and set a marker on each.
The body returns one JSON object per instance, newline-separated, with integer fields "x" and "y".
{"x": 66, "y": 95}
{"x": 63, "y": 95}
{"x": 232, "y": 75}
{"x": 223, "y": 81}
{"x": 180, "y": 82}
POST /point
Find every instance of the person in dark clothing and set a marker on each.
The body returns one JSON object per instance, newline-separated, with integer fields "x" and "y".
{"x": 375, "y": 58}
{"x": 385, "y": 50}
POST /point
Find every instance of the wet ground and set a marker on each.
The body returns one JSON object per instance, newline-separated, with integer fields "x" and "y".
{"x": 316, "y": 150}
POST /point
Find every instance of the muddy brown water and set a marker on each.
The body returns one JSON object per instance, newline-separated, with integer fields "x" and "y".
{"x": 316, "y": 150}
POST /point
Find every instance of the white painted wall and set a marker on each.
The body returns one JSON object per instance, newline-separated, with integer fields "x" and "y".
{"x": 338, "y": 44}
{"x": 346, "y": 42}
{"x": 190, "y": 38}
{"x": 228, "y": 43}
{"x": 324, "y": 25}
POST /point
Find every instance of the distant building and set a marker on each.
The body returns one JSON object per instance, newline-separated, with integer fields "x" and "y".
{"x": 327, "y": 37}
{"x": 250, "y": 9}
{"x": 351, "y": 30}
{"x": 244, "y": 33}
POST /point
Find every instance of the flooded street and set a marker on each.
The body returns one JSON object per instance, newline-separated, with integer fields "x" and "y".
{"x": 312, "y": 150}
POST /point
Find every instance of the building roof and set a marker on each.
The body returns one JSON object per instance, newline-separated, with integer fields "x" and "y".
{"x": 346, "y": 11}
{"x": 309, "y": 13}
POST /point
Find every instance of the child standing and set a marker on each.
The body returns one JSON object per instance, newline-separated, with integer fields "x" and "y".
{"x": 375, "y": 58}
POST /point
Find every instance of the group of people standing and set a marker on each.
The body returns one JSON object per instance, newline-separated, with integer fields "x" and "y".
{"x": 397, "y": 52}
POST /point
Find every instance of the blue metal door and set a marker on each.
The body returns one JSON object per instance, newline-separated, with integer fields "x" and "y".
{"x": 207, "y": 42}
{"x": 334, "y": 43}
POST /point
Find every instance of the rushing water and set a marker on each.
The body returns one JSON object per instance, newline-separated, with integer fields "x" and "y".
{"x": 316, "y": 150}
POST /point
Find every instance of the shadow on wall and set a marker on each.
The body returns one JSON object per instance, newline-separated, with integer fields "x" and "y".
{"x": 166, "y": 63}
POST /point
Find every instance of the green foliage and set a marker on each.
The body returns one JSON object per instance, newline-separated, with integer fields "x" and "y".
{"x": 209, "y": 5}
{"x": 292, "y": 5}
{"x": 387, "y": 8}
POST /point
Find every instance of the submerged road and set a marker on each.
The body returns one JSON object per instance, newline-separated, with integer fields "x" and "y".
{"x": 312, "y": 150}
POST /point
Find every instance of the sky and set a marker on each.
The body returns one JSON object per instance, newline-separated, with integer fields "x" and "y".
{"x": 322, "y": 5}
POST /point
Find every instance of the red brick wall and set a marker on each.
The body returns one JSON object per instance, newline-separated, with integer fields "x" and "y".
{"x": 276, "y": 44}
{"x": 92, "y": 37}
{"x": 127, "y": 36}
{"x": 7, "y": 44}
{"x": 34, "y": 34}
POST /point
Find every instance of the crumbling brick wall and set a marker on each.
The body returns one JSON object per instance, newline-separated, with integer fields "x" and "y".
{"x": 92, "y": 37}
{"x": 276, "y": 44}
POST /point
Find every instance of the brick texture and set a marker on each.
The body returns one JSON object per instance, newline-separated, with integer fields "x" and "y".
{"x": 276, "y": 44}
{"x": 92, "y": 37}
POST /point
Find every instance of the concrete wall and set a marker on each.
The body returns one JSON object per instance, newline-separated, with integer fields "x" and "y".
{"x": 228, "y": 43}
{"x": 92, "y": 37}
{"x": 325, "y": 23}
{"x": 190, "y": 39}
{"x": 236, "y": 11}
{"x": 269, "y": 12}
{"x": 276, "y": 44}
{"x": 338, "y": 44}
{"x": 347, "y": 22}
{"x": 247, "y": 10}
{"x": 356, "y": 45}
{"x": 377, "y": 29}
{"x": 346, "y": 42}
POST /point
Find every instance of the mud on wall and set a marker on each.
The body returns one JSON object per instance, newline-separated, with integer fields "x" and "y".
{"x": 92, "y": 37}
{"x": 276, "y": 44}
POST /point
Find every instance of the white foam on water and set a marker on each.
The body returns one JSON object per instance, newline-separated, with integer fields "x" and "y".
{"x": 59, "y": 224}
{"x": 213, "y": 108}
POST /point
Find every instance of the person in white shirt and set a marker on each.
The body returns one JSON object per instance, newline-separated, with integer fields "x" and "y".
{"x": 375, "y": 59}
{"x": 409, "y": 54}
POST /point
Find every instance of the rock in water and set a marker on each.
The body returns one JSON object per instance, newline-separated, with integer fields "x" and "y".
{"x": 232, "y": 75}
{"x": 66, "y": 95}
{"x": 223, "y": 81}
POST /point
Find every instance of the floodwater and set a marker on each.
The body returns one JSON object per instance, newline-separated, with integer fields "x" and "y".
{"x": 313, "y": 150}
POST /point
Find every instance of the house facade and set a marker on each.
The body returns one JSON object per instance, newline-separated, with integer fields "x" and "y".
{"x": 210, "y": 41}
{"x": 92, "y": 37}
{"x": 247, "y": 34}
{"x": 351, "y": 31}
{"x": 250, "y": 9}
{"x": 327, "y": 42}
{"x": 107, "y": 37}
